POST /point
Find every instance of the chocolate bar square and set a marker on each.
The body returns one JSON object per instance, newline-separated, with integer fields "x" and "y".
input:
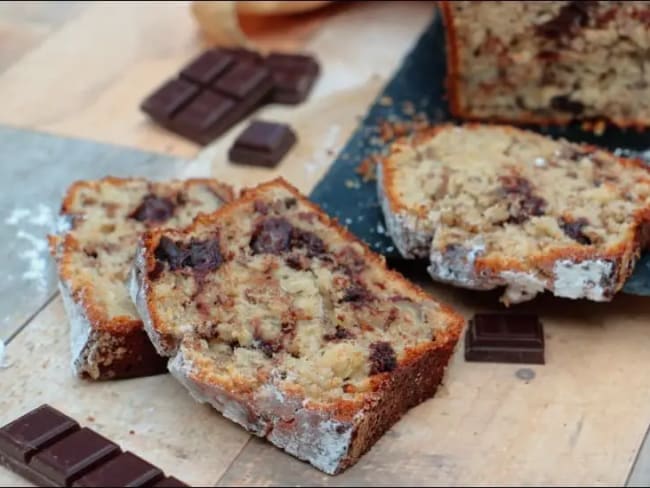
{"x": 293, "y": 76}
{"x": 207, "y": 67}
{"x": 73, "y": 456}
{"x": 505, "y": 338}
{"x": 33, "y": 431}
{"x": 127, "y": 469}
{"x": 262, "y": 144}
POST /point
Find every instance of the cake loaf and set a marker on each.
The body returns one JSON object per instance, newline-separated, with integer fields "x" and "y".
{"x": 494, "y": 206}
{"x": 549, "y": 62}
{"x": 101, "y": 223}
{"x": 289, "y": 326}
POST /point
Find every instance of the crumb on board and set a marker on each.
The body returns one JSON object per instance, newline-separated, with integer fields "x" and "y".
{"x": 90, "y": 418}
{"x": 367, "y": 169}
{"x": 132, "y": 432}
{"x": 408, "y": 108}
{"x": 389, "y": 130}
{"x": 352, "y": 184}
{"x": 597, "y": 127}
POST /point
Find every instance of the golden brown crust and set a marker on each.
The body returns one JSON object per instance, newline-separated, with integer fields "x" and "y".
{"x": 414, "y": 381}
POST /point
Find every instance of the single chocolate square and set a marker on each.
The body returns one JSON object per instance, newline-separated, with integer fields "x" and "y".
{"x": 169, "y": 99}
{"x": 262, "y": 144}
{"x": 33, "y": 431}
{"x": 127, "y": 469}
{"x": 505, "y": 338}
{"x": 207, "y": 67}
{"x": 73, "y": 456}
{"x": 293, "y": 76}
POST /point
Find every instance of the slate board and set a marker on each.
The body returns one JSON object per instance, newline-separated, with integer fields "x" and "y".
{"x": 420, "y": 82}
{"x": 36, "y": 171}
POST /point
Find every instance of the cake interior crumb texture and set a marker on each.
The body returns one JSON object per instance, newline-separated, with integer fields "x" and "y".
{"x": 549, "y": 62}
{"x": 290, "y": 326}
{"x": 497, "y": 206}
{"x": 101, "y": 222}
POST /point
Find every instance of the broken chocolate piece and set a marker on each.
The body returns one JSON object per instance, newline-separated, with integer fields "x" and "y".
{"x": 154, "y": 209}
{"x": 522, "y": 202}
{"x": 262, "y": 144}
{"x": 48, "y": 448}
{"x": 200, "y": 255}
{"x": 273, "y": 236}
{"x": 505, "y": 338}
{"x": 293, "y": 76}
{"x": 573, "y": 229}
{"x": 382, "y": 358}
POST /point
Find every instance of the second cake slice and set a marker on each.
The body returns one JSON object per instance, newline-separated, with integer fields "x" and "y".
{"x": 289, "y": 326}
{"x": 94, "y": 249}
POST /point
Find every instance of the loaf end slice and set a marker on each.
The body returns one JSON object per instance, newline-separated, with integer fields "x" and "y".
{"x": 288, "y": 325}
{"x": 549, "y": 62}
{"x": 99, "y": 225}
{"x": 512, "y": 208}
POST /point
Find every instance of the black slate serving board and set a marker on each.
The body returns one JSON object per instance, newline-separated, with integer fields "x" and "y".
{"x": 418, "y": 85}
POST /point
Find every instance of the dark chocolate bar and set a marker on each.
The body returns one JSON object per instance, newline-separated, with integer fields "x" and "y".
{"x": 222, "y": 86}
{"x": 505, "y": 338}
{"x": 213, "y": 93}
{"x": 49, "y": 448}
{"x": 293, "y": 76}
{"x": 262, "y": 144}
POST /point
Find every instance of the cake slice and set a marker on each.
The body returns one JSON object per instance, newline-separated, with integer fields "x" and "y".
{"x": 549, "y": 62}
{"x": 101, "y": 223}
{"x": 497, "y": 206}
{"x": 289, "y": 326}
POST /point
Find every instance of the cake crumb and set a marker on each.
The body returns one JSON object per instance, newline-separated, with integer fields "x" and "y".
{"x": 90, "y": 418}
{"x": 352, "y": 184}
{"x": 386, "y": 101}
{"x": 132, "y": 432}
{"x": 408, "y": 108}
{"x": 367, "y": 169}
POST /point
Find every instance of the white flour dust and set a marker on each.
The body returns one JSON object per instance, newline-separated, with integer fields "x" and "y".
{"x": 33, "y": 246}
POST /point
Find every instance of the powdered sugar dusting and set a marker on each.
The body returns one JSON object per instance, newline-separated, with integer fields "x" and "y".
{"x": 34, "y": 247}
{"x": 3, "y": 364}
{"x": 42, "y": 216}
{"x": 36, "y": 257}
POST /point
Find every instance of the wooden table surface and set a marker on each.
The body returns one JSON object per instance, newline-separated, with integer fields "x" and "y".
{"x": 71, "y": 77}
